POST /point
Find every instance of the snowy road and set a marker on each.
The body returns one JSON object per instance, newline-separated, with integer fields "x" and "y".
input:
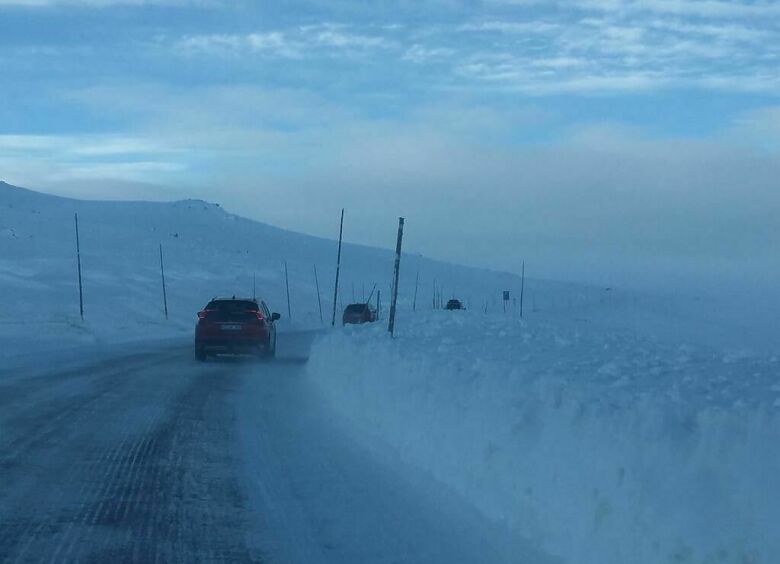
{"x": 148, "y": 456}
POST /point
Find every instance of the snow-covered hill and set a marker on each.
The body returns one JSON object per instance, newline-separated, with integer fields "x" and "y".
{"x": 209, "y": 251}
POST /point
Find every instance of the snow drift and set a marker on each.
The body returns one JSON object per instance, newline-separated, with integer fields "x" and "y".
{"x": 602, "y": 447}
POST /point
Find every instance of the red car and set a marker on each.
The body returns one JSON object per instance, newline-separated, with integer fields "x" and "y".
{"x": 235, "y": 326}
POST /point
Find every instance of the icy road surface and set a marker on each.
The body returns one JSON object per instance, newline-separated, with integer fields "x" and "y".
{"x": 147, "y": 456}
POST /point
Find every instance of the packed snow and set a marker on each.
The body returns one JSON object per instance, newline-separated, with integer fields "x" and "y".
{"x": 602, "y": 447}
{"x": 605, "y": 426}
{"x": 209, "y": 251}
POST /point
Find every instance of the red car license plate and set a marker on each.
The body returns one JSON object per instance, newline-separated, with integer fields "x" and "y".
{"x": 231, "y": 327}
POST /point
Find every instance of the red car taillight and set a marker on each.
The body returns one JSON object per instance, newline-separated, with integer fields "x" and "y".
{"x": 260, "y": 316}
{"x": 202, "y": 314}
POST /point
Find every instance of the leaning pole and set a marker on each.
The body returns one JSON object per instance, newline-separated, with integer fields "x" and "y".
{"x": 391, "y": 325}
{"x": 338, "y": 267}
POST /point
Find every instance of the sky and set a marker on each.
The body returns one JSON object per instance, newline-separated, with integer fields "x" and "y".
{"x": 616, "y": 142}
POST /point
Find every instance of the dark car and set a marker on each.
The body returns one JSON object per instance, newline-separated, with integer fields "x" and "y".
{"x": 235, "y": 326}
{"x": 454, "y": 304}
{"x": 358, "y": 313}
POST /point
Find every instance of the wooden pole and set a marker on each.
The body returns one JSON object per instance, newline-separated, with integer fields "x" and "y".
{"x": 391, "y": 325}
{"x": 522, "y": 289}
{"x": 319, "y": 299}
{"x": 338, "y": 267}
{"x": 371, "y": 295}
{"x": 287, "y": 285}
{"x": 78, "y": 262}
{"x": 162, "y": 276}
{"x": 416, "y": 282}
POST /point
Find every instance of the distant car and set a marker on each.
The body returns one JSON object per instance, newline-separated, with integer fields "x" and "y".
{"x": 235, "y": 326}
{"x": 358, "y": 313}
{"x": 454, "y": 304}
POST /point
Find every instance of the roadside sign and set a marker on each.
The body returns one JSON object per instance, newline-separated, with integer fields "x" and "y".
{"x": 506, "y": 295}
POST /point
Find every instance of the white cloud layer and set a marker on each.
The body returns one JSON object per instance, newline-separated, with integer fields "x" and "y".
{"x": 597, "y": 46}
{"x": 99, "y": 3}
{"x": 604, "y": 203}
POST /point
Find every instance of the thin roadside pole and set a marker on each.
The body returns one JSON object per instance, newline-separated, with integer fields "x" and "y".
{"x": 522, "y": 289}
{"x": 254, "y": 286}
{"x": 162, "y": 276}
{"x": 416, "y": 282}
{"x": 287, "y": 285}
{"x": 338, "y": 267}
{"x": 319, "y": 299}
{"x": 391, "y": 325}
{"x": 378, "y": 305}
{"x": 371, "y": 295}
{"x": 78, "y": 262}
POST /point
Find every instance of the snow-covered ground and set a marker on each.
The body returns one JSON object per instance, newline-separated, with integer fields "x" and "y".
{"x": 606, "y": 426}
{"x": 601, "y": 446}
{"x": 209, "y": 251}
{"x": 145, "y": 455}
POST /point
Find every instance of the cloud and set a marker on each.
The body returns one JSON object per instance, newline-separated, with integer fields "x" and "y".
{"x": 759, "y": 128}
{"x": 619, "y": 45}
{"x": 47, "y": 159}
{"x": 608, "y": 47}
{"x": 602, "y": 202}
{"x": 421, "y": 54}
{"x": 78, "y": 145}
{"x": 719, "y": 9}
{"x": 100, "y": 3}
{"x": 304, "y": 41}
{"x": 698, "y": 8}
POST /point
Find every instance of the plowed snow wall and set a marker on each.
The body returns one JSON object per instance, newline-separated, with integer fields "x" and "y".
{"x": 601, "y": 448}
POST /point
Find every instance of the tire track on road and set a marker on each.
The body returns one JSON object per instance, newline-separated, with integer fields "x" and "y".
{"x": 146, "y": 469}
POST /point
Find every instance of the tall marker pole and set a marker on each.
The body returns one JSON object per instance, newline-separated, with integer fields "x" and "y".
{"x": 78, "y": 262}
{"x": 287, "y": 285}
{"x": 162, "y": 275}
{"x": 371, "y": 295}
{"x": 416, "y": 282}
{"x": 338, "y": 267}
{"x": 319, "y": 299}
{"x": 522, "y": 289}
{"x": 391, "y": 326}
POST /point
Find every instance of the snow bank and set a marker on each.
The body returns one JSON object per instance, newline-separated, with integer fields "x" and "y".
{"x": 604, "y": 448}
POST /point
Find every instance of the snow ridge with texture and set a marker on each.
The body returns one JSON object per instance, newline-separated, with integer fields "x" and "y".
{"x": 603, "y": 447}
